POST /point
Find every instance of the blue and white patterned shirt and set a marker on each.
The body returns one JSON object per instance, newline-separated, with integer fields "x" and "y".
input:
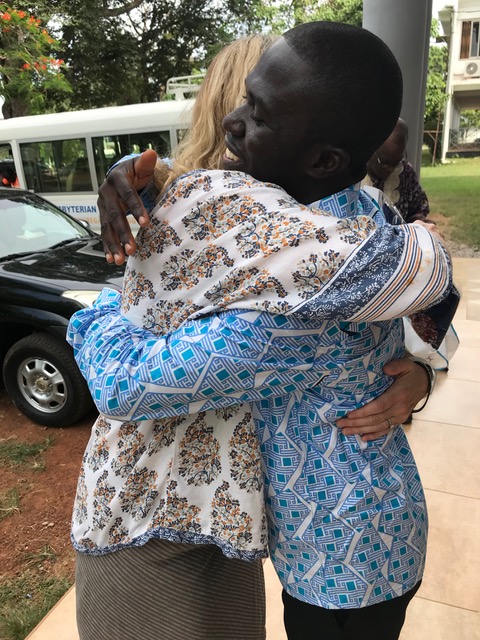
{"x": 346, "y": 519}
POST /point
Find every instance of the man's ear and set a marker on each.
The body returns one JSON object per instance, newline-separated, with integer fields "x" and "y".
{"x": 326, "y": 161}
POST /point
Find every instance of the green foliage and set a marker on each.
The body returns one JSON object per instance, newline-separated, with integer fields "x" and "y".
{"x": 278, "y": 16}
{"x": 470, "y": 119}
{"x": 123, "y": 51}
{"x": 29, "y": 68}
{"x": 436, "y": 90}
{"x": 350, "y": 11}
{"x": 100, "y": 54}
{"x": 25, "y": 600}
{"x": 436, "y": 95}
{"x": 172, "y": 36}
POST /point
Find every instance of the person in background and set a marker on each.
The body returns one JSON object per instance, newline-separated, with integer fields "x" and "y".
{"x": 391, "y": 179}
{"x": 8, "y": 175}
{"x": 243, "y": 304}
{"x": 390, "y": 172}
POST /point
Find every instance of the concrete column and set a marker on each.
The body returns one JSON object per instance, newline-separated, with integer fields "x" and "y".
{"x": 454, "y": 45}
{"x": 405, "y": 27}
{"x": 447, "y": 120}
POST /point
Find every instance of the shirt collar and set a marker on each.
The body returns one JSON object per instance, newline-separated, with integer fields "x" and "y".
{"x": 343, "y": 204}
{"x": 350, "y": 203}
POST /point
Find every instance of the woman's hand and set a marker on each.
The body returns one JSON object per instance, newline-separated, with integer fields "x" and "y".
{"x": 394, "y": 405}
{"x": 118, "y": 194}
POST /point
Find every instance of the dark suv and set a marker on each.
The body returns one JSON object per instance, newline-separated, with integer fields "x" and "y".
{"x": 51, "y": 265}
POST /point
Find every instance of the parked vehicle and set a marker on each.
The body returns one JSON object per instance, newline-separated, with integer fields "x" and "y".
{"x": 51, "y": 265}
{"x": 65, "y": 156}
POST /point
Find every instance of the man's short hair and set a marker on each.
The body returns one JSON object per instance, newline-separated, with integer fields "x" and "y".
{"x": 356, "y": 82}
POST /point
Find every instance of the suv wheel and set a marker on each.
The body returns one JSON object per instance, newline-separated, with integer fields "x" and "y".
{"x": 43, "y": 380}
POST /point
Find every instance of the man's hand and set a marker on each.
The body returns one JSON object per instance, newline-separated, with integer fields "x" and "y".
{"x": 394, "y": 405}
{"x": 118, "y": 194}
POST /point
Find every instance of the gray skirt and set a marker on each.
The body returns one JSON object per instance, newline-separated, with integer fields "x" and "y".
{"x": 169, "y": 591}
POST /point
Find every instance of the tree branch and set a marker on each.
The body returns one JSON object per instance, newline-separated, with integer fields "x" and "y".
{"x": 113, "y": 13}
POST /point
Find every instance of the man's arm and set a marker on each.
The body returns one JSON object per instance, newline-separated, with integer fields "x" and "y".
{"x": 119, "y": 194}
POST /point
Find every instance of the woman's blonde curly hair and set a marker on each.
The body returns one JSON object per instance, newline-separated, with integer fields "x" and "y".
{"x": 221, "y": 92}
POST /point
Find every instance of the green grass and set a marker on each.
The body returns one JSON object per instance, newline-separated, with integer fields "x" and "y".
{"x": 25, "y": 600}
{"x": 38, "y": 558}
{"x": 9, "y": 503}
{"x": 18, "y": 454}
{"x": 454, "y": 192}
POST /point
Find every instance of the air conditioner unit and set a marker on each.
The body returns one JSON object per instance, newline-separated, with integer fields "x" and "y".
{"x": 472, "y": 69}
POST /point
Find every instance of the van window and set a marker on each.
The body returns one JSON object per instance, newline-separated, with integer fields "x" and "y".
{"x": 59, "y": 166}
{"x": 8, "y": 171}
{"x": 110, "y": 149}
{"x": 6, "y": 152}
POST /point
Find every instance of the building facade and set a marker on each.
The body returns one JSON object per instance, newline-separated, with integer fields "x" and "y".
{"x": 461, "y": 26}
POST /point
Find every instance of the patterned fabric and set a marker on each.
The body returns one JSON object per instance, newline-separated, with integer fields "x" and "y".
{"x": 403, "y": 189}
{"x": 221, "y": 599}
{"x": 219, "y": 242}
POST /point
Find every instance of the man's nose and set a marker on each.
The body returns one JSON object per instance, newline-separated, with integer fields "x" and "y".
{"x": 234, "y": 123}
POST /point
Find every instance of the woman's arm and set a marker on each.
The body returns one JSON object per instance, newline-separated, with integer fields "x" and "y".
{"x": 217, "y": 361}
{"x": 132, "y": 374}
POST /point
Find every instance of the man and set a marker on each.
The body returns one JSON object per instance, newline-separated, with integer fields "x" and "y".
{"x": 389, "y": 171}
{"x": 264, "y": 276}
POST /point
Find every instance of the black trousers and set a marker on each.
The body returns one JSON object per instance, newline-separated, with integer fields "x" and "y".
{"x": 382, "y": 621}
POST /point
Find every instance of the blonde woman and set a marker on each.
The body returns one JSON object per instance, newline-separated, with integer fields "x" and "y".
{"x": 203, "y": 147}
{"x": 222, "y": 91}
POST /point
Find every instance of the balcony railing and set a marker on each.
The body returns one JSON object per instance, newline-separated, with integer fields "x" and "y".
{"x": 185, "y": 86}
{"x": 465, "y": 139}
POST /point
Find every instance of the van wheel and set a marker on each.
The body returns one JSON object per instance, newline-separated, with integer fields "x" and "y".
{"x": 43, "y": 380}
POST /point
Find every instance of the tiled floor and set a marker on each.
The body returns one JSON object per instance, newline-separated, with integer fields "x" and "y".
{"x": 445, "y": 438}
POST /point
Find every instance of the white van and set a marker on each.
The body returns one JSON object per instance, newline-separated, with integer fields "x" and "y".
{"x": 64, "y": 156}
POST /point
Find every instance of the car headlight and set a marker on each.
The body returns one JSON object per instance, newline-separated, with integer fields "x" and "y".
{"x": 86, "y": 298}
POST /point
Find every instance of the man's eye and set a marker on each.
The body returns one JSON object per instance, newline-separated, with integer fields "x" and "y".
{"x": 258, "y": 122}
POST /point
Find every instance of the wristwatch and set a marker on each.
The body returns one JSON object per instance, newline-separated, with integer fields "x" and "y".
{"x": 432, "y": 377}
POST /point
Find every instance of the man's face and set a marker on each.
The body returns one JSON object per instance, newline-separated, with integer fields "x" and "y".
{"x": 268, "y": 134}
{"x": 386, "y": 159}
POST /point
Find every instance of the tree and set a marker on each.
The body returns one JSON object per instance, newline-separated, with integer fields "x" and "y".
{"x": 172, "y": 37}
{"x": 29, "y": 68}
{"x": 124, "y": 52}
{"x": 470, "y": 121}
{"x": 350, "y": 11}
{"x": 101, "y": 56}
{"x": 277, "y": 16}
{"x": 436, "y": 93}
